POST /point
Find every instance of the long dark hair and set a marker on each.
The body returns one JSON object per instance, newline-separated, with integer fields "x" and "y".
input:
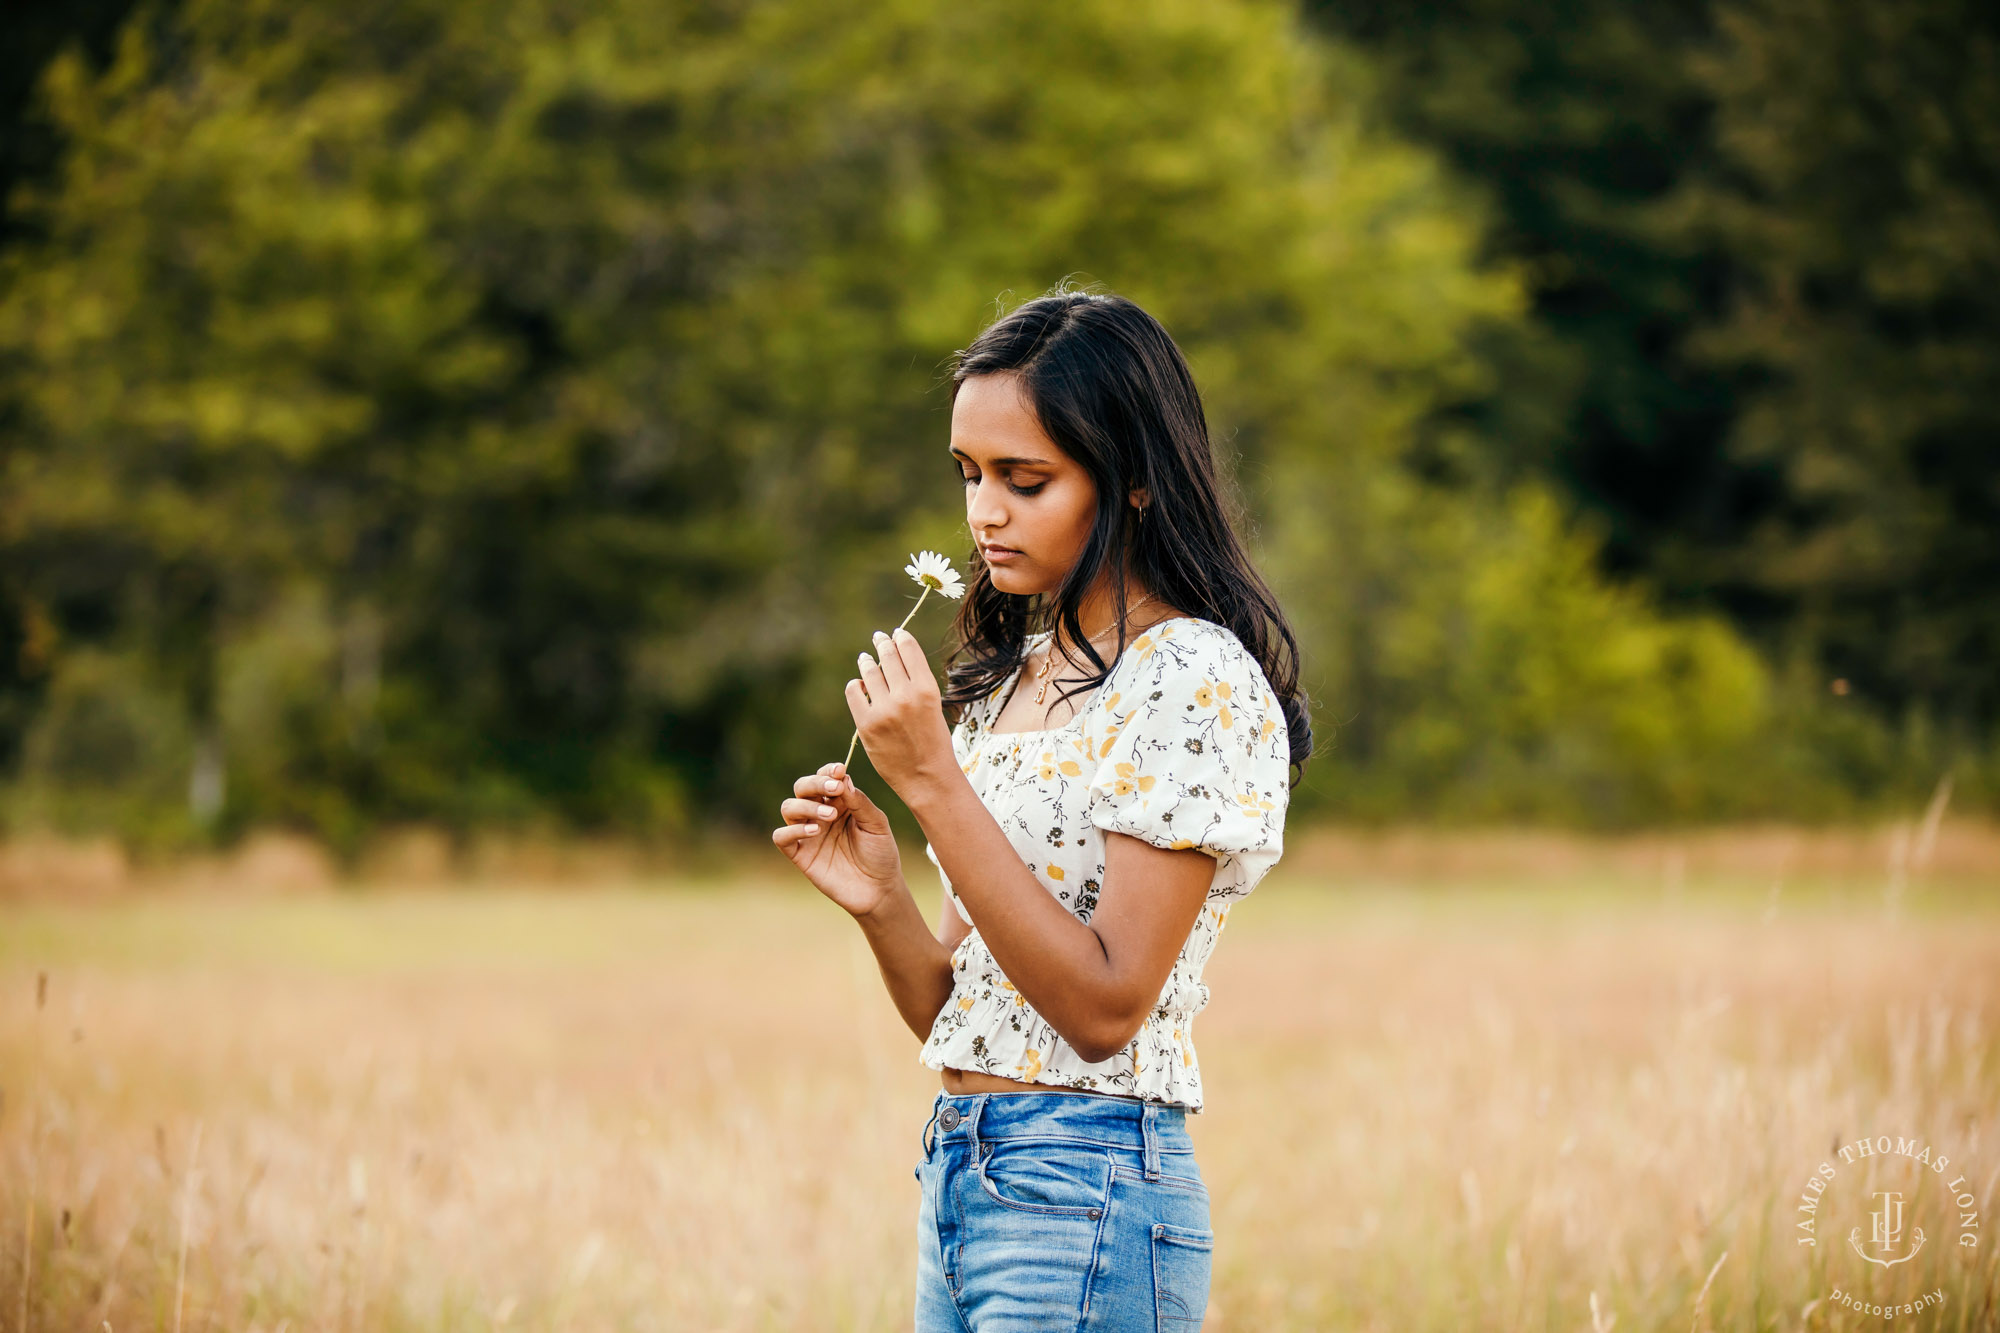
{"x": 1109, "y": 386}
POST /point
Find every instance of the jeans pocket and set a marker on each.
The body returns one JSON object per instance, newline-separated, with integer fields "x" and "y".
{"x": 1047, "y": 1178}
{"x": 1181, "y": 1258}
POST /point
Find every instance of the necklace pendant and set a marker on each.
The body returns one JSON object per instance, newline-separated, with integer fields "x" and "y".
{"x": 1048, "y": 663}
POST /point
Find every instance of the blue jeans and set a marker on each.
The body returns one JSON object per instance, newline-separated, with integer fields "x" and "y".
{"x": 1060, "y": 1212}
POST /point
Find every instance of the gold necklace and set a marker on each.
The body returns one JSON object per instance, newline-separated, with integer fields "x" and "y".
{"x": 1049, "y": 657}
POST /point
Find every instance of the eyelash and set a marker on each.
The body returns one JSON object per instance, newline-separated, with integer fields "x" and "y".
{"x": 1018, "y": 490}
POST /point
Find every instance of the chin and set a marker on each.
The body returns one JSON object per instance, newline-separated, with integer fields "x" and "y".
{"x": 1014, "y": 581}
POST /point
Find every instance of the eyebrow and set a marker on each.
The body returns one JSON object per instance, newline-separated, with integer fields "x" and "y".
{"x": 1020, "y": 462}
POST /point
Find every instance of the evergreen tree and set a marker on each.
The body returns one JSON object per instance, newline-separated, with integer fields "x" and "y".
{"x": 1860, "y": 198}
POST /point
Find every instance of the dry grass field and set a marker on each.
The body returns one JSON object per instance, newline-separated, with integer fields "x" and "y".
{"x": 1448, "y": 1090}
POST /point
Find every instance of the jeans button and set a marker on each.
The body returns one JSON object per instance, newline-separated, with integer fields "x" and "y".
{"x": 949, "y": 1119}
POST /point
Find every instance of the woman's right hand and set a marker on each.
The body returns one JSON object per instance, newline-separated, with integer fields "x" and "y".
{"x": 849, "y": 855}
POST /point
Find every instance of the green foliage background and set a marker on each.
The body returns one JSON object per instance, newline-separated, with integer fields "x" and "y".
{"x": 1759, "y": 240}
{"x": 519, "y": 413}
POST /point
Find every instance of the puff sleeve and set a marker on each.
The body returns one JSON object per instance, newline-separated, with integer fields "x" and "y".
{"x": 1192, "y": 752}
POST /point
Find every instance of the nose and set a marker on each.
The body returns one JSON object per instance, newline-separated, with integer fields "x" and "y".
{"x": 983, "y": 509}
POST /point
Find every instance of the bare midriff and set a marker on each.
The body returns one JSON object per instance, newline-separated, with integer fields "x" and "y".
{"x": 961, "y": 1082}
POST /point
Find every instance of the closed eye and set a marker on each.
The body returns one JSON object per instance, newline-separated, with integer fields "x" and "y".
{"x": 970, "y": 478}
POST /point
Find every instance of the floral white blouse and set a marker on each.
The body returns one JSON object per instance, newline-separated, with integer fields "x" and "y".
{"x": 1182, "y": 745}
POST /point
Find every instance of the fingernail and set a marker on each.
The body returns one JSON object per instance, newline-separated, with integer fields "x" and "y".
{"x": 810, "y": 830}
{"x": 832, "y": 786}
{"x": 827, "y": 812}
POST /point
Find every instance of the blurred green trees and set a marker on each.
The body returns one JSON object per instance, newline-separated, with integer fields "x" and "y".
{"x": 1860, "y": 202}
{"x": 1760, "y": 239}
{"x": 521, "y": 412}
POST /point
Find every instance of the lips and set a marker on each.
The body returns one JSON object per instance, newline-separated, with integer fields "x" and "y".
{"x": 999, "y": 555}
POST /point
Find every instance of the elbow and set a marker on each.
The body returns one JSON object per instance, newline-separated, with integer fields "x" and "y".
{"x": 1109, "y": 1037}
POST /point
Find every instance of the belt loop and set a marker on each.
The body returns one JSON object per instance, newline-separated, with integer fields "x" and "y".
{"x": 971, "y": 1123}
{"x": 1149, "y": 1131}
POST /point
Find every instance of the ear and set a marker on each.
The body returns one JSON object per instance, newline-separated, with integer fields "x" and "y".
{"x": 1140, "y": 498}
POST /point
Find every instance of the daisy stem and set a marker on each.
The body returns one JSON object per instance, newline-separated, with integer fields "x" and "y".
{"x": 857, "y": 731}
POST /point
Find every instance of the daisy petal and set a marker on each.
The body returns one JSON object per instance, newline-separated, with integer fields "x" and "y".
{"x": 934, "y": 571}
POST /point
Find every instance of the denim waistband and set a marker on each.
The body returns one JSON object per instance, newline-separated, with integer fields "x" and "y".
{"x": 1146, "y": 1127}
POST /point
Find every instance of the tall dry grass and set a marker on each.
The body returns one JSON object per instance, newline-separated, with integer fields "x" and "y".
{"x": 1437, "y": 1101}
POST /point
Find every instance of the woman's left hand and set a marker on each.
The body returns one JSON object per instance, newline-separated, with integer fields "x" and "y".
{"x": 899, "y": 712}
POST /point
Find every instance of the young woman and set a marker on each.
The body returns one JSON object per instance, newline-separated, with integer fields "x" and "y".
{"x": 1128, "y": 720}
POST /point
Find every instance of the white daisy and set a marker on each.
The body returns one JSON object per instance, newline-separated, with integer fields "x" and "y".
{"x": 935, "y": 573}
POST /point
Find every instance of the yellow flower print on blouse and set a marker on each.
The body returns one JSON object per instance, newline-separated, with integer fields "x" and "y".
{"x": 1030, "y": 1066}
{"x": 1111, "y": 730}
{"x": 1130, "y": 780}
{"x": 1252, "y": 801}
{"x": 1215, "y": 694}
{"x": 1050, "y": 766}
{"x": 1147, "y": 644}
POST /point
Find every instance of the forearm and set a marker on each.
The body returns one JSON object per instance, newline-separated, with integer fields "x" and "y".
{"x": 916, "y": 967}
{"x": 1058, "y": 963}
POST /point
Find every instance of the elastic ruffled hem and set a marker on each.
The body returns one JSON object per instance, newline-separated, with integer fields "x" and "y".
{"x": 1007, "y": 1059}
